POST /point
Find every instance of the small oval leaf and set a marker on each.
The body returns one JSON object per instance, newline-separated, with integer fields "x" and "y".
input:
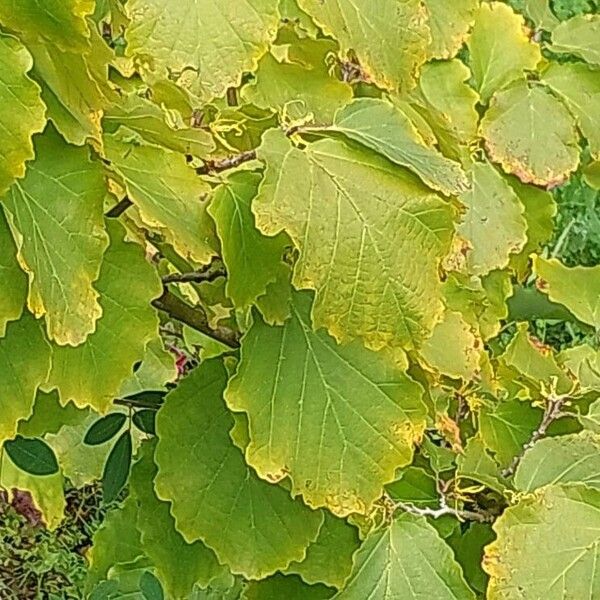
{"x": 150, "y": 587}
{"x": 147, "y": 398}
{"x": 144, "y": 420}
{"x": 117, "y": 467}
{"x": 32, "y": 455}
{"x": 104, "y": 429}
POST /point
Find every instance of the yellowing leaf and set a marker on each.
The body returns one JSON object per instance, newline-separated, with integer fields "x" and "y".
{"x": 547, "y": 546}
{"x": 92, "y": 374}
{"x": 379, "y": 125}
{"x": 577, "y": 288}
{"x": 56, "y": 216}
{"x": 579, "y": 36}
{"x": 499, "y": 48}
{"x": 300, "y": 85}
{"x": 579, "y": 86}
{"x": 58, "y": 22}
{"x": 459, "y": 359}
{"x": 584, "y": 362}
{"x": 203, "y": 46}
{"x": 254, "y": 527}
{"x": 493, "y": 223}
{"x": 22, "y": 112}
{"x": 338, "y": 420}
{"x": 531, "y": 134}
{"x": 390, "y": 42}
{"x": 407, "y": 559}
{"x": 13, "y": 281}
{"x": 370, "y": 237}
{"x": 571, "y": 458}
{"x": 25, "y": 360}
{"x": 447, "y": 103}
{"x": 167, "y": 193}
{"x": 449, "y": 23}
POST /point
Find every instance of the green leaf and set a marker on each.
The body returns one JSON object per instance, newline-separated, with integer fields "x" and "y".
{"x": 564, "y": 459}
{"x": 591, "y": 420}
{"x": 507, "y": 427}
{"x": 104, "y": 429}
{"x": 415, "y": 486}
{"x": 150, "y": 587}
{"x": 449, "y": 23}
{"x": 289, "y": 587}
{"x": 55, "y": 214}
{"x": 205, "y": 50}
{"x": 57, "y": 22}
{"x": 541, "y": 14}
{"x": 299, "y": 84}
{"x": 531, "y": 134}
{"x": 92, "y": 374}
{"x": 468, "y": 550}
{"x": 178, "y": 564}
{"x": 546, "y": 544}
{"x": 117, "y": 467}
{"x": 493, "y": 224}
{"x": 500, "y": 49}
{"x": 372, "y": 261}
{"x": 75, "y": 87}
{"x": 461, "y": 359}
{"x": 390, "y": 43}
{"x": 476, "y": 464}
{"x": 579, "y": 86}
{"x": 579, "y": 36}
{"x": 338, "y": 420}
{"x": 584, "y": 362}
{"x": 13, "y": 280}
{"x": 25, "y": 360}
{"x": 448, "y": 103}
{"x": 167, "y": 193}
{"x": 254, "y": 527}
{"x": 329, "y": 558}
{"x": 144, "y": 420}
{"x": 22, "y": 113}
{"x": 253, "y": 261}
{"x": 577, "y": 288}
{"x": 407, "y": 559}
{"x": 32, "y": 455}
{"x": 381, "y": 126}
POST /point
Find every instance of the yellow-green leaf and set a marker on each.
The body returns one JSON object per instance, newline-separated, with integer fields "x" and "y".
{"x": 531, "y": 134}
{"x": 407, "y": 559}
{"x": 92, "y": 374}
{"x": 203, "y": 46}
{"x": 13, "y": 281}
{"x": 166, "y": 191}
{"x": 449, "y": 23}
{"x": 390, "y": 43}
{"x": 25, "y": 360}
{"x": 370, "y": 237}
{"x": 577, "y": 288}
{"x": 579, "y": 86}
{"x": 254, "y": 527}
{"x": 579, "y": 36}
{"x": 500, "y": 48}
{"x": 56, "y": 216}
{"x": 381, "y": 126}
{"x": 22, "y": 112}
{"x": 338, "y": 420}
{"x": 493, "y": 224}
{"x": 547, "y": 546}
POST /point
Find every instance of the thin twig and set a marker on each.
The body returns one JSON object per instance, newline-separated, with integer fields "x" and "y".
{"x": 195, "y": 317}
{"x": 552, "y": 412}
{"x": 436, "y": 513}
{"x": 119, "y": 208}
{"x": 137, "y": 403}
{"x": 216, "y": 166}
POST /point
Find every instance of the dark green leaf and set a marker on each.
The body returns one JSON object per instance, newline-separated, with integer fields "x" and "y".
{"x": 104, "y": 429}
{"x": 32, "y": 455}
{"x": 117, "y": 467}
{"x": 150, "y": 587}
{"x": 144, "y": 420}
{"x": 147, "y": 398}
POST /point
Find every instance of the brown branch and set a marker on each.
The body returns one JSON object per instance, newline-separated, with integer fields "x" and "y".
{"x": 195, "y": 317}
{"x": 552, "y": 412}
{"x": 216, "y": 166}
{"x": 119, "y": 208}
{"x": 194, "y": 276}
